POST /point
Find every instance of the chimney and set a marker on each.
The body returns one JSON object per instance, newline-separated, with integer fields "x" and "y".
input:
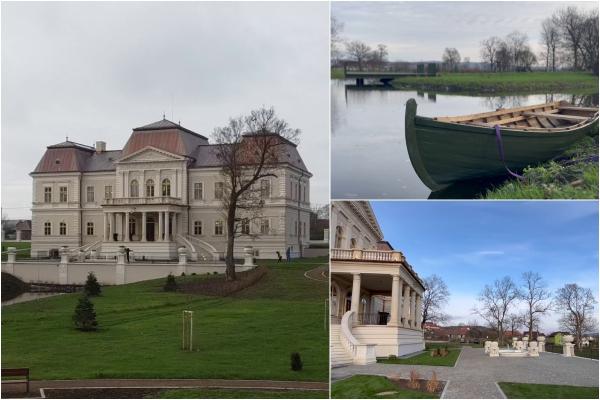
{"x": 100, "y": 146}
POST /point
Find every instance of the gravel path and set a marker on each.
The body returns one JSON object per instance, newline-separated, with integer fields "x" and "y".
{"x": 475, "y": 374}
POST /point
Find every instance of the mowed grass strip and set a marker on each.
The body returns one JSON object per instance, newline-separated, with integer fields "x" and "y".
{"x": 246, "y": 336}
{"x": 426, "y": 359}
{"x": 542, "y": 391}
{"x": 370, "y": 387}
{"x": 239, "y": 394}
{"x": 23, "y": 249}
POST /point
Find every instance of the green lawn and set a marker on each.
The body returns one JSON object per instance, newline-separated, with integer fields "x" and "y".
{"x": 337, "y": 73}
{"x": 426, "y": 359}
{"x": 240, "y": 394}
{"x": 18, "y": 246}
{"x": 368, "y": 386}
{"x": 535, "y": 391}
{"x": 517, "y": 82}
{"x": 249, "y": 335}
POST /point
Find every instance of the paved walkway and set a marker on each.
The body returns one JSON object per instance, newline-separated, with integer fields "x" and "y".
{"x": 475, "y": 374}
{"x": 35, "y": 386}
{"x": 320, "y": 273}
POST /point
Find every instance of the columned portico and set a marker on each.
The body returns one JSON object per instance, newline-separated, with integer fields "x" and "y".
{"x": 406, "y": 311}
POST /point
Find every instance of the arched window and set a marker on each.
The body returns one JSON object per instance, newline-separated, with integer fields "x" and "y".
{"x": 166, "y": 187}
{"x": 352, "y": 243}
{"x": 149, "y": 188}
{"x": 338, "y": 237}
{"x": 62, "y": 229}
{"x": 134, "y": 188}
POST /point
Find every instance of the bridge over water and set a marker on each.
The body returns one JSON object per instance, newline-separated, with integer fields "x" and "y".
{"x": 384, "y": 77}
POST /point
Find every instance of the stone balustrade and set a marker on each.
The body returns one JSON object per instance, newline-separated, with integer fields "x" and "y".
{"x": 367, "y": 255}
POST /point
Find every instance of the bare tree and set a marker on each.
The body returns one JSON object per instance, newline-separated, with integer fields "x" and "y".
{"x": 515, "y": 322}
{"x": 537, "y": 298}
{"x": 489, "y": 48}
{"x": 359, "y": 51}
{"x": 570, "y": 23}
{"x": 517, "y": 47}
{"x": 551, "y": 40}
{"x": 495, "y": 301}
{"x": 336, "y": 38}
{"x": 381, "y": 54}
{"x": 435, "y": 297}
{"x": 576, "y": 304}
{"x": 250, "y": 149}
{"x": 451, "y": 59}
{"x": 589, "y": 42}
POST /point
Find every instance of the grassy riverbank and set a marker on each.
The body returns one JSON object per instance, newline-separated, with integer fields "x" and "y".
{"x": 572, "y": 176}
{"x": 248, "y": 335}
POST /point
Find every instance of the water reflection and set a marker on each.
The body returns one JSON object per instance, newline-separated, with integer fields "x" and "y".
{"x": 369, "y": 155}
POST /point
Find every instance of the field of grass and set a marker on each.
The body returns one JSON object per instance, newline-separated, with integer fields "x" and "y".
{"x": 337, "y": 73}
{"x": 426, "y": 359}
{"x": 573, "y": 176}
{"x": 18, "y": 246}
{"x": 503, "y": 82}
{"x": 538, "y": 391}
{"x": 368, "y": 386}
{"x": 239, "y": 394}
{"x": 249, "y": 335}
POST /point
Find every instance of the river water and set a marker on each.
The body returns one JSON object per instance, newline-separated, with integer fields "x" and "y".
{"x": 368, "y": 150}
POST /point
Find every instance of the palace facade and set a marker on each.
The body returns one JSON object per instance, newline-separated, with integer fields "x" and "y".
{"x": 375, "y": 293}
{"x": 163, "y": 190}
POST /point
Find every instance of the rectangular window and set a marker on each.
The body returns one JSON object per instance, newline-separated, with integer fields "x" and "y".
{"x": 47, "y": 228}
{"x": 108, "y": 192}
{"x": 197, "y": 227}
{"x": 47, "y": 194}
{"x": 62, "y": 230}
{"x": 264, "y": 226}
{"x": 90, "y": 229}
{"x": 63, "y": 194}
{"x": 265, "y": 188}
{"x": 218, "y": 190}
{"x": 198, "y": 192}
{"x": 245, "y": 226}
{"x": 90, "y": 194}
{"x": 218, "y": 228}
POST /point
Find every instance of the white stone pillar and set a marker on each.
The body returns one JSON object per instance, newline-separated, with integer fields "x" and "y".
{"x": 10, "y": 259}
{"x": 143, "y": 226}
{"x": 395, "y": 311}
{"x": 18, "y": 235}
{"x": 541, "y": 344}
{"x": 160, "y": 226}
{"x": 249, "y": 257}
{"x": 111, "y": 227}
{"x": 406, "y": 311}
{"x": 127, "y": 226}
{"x": 63, "y": 267}
{"x": 120, "y": 267}
{"x": 413, "y": 309}
{"x": 182, "y": 266}
{"x": 167, "y": 228}
{"x": 355, "y": 303}
{"x": 175, "y": 225}
{"x": 419, "y": 313}
{"x": 105, "y": 231}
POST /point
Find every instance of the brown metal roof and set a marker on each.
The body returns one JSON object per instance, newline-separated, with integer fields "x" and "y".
{"x": 63, "y": 159}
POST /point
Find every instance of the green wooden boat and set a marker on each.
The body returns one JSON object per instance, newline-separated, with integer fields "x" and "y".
{"x": 445, "y": 150}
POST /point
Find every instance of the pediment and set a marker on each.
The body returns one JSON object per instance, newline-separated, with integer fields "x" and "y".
{"x": 151, "y": 154}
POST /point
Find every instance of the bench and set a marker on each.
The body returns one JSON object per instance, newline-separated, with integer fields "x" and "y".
{"x": 16, "y": 372}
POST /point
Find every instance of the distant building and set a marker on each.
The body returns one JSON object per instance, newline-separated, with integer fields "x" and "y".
{"x": 23, "y": 230}
{"x": 163, "y": 190}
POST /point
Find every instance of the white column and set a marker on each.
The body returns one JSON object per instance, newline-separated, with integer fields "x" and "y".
{"x": 105, "y": 231}
{"x": 127, "y": 226}
{"x": 175, "y": 224}
{"x": 160, "y": 226}
{"x": 395, "y": 311}
{"x": 167, "y": 229}
{"x": 419, "y": 312}
{"x": 355, "y": 305}
{"x": 413, "y": 308}
{"x": 143, "y": 226}
{"x": 111, "y": 227}
{"x": 406, "y": 311}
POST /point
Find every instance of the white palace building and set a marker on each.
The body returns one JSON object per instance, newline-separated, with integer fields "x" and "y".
{"x": 375, "y": 293}
{"x": 160, "y": 192}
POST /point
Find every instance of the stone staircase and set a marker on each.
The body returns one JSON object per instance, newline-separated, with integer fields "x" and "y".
{"x": 339, "y": 356}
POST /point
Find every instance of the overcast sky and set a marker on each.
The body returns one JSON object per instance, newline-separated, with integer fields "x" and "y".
{"x": 472, "y": 243}
{"x": 419, "y": 31}
{"x": 94, "y": 71}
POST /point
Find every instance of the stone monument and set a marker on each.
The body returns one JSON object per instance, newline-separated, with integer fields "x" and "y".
{"x": 568, "y": 346}
{"x": 494, "y": 350}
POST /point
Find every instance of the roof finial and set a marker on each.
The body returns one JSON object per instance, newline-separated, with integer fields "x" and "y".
{"x": 67, "y": 138}
{"x": 164, "y": 116}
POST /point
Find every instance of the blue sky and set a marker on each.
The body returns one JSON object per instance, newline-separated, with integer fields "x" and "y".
{"x": 472, "y": 243}
{"x": 420, "y": 30}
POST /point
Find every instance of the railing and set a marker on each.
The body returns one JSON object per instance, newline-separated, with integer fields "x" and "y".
{"x": 362, "y": 353}
{"x": 118, "y": 201}
{"x": 367, "y": 255}
{"x": 373, "y": 318}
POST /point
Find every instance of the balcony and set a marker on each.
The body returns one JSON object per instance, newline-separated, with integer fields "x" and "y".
{"x": 367, "y": 255}
{"x": 138, "y": 201}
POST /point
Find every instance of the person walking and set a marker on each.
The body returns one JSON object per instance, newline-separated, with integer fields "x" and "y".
{"x": 288, "y": 254}
{"x": 279, "y": 258}
{"x": 127, "y": 250}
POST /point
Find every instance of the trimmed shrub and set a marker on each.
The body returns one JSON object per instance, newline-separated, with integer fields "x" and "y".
{"x": 296, "y": 362}
{"x": 85, "y": 315}
{"x": 92, "y": 287}
{"x": 170, "y": 285}
{"x": 392, "y": 357}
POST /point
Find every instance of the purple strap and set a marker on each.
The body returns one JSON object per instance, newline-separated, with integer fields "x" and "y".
{"x": 501, "y": 151}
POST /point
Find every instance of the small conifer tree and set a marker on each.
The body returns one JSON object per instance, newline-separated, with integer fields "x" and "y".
{"x": 92, "y": 287}
{"x": 296, "y": 362}
{"x": 85, "y": 315}
{"x": 170, "y": 285}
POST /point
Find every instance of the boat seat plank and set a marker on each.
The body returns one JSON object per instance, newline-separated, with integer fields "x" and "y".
{"x": 545, "y": 122}
{"x": 500, "y": 112}
{"x": 574, "y": 108}
{"x": 556, "y": 116}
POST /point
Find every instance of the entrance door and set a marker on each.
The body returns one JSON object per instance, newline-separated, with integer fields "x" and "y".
{"x": 150, "y": 229}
